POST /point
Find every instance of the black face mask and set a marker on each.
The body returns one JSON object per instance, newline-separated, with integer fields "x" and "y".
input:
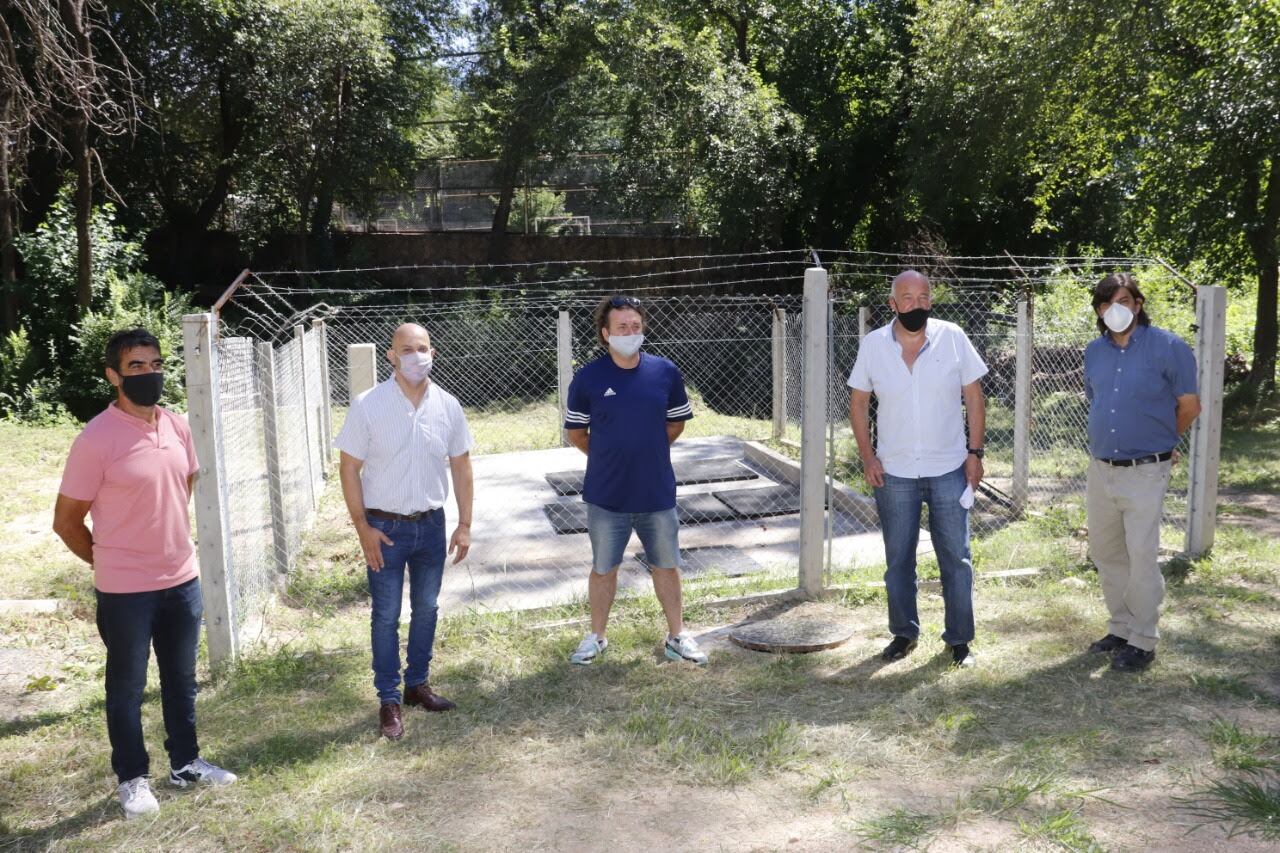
{"x": 143, "y": 389}
{"x": 914, "y": 320}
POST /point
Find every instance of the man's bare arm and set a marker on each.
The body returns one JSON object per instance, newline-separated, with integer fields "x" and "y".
{"x": 463, "y": 492}
{"x": 674, "y": 428}
{"x": 68, "y": 523}
{"x": 579, "y": 438}
{"x": 860, "y": 421}
{"x": 1188, "y": 411}
{"x": 371, "y": 538}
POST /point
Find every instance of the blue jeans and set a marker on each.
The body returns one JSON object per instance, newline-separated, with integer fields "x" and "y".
{"x": 420, "y": 546}
{"x": 611, "y": 531}
{"x": 898, "y": 502}
{"x": 130, "y": 623}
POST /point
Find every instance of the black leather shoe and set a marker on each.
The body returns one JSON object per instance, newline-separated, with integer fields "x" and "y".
{"x": 1108, "y": 644}
{"x": 961, "y": 656}
{"x": 898, "y": 649}
{"x": 1132, "y": 659}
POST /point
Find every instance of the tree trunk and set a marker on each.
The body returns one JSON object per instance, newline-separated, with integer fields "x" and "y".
{"x": 73, "y": 17}
{"x": 508, "y": 171}
{"x": 1264, "y": 243}
{"x": 8, "y": 254}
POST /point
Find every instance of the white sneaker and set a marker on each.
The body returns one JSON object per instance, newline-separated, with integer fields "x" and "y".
{"x": 136, "y": 798}
{"x": 685, "y": 648}
{"x": 588, "y": 650}
{"x": 203, "y": 772}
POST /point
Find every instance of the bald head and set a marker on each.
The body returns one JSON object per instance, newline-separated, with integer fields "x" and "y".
{"x": 409, "y": 333}
{"x": 912, "y": 279}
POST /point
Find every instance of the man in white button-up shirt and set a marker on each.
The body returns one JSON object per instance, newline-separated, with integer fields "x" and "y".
{"x": 921, "y": 370}
{"x": 401, "y": 441}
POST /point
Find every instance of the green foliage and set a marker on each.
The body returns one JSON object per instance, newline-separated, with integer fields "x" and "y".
{"x": 53, "y": 364}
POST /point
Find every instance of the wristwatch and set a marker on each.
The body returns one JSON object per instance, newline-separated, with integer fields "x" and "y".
{"x": 978, "y": 452}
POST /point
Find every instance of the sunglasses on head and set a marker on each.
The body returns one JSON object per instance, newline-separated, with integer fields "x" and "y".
{"x": 624, "y": 302}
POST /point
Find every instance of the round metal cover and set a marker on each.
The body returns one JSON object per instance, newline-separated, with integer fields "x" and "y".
{"x": 806, "y": 627}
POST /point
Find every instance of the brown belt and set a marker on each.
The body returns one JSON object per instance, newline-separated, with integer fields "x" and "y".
{"x": 395, "y": 516}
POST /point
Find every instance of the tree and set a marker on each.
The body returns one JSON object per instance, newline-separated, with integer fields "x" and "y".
{"x": 536, "y": 88}
{"x": 1128, "y": 127}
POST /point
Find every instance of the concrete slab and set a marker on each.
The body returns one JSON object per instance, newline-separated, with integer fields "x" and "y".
{"x": 517, "y": 560}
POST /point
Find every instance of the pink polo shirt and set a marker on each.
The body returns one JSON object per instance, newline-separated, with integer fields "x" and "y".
{"x": 135, "y": 475}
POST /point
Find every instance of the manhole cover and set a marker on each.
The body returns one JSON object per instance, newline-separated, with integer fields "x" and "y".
{"x": 807, "y": 627}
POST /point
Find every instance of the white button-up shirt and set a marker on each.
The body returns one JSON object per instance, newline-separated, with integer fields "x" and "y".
{"x": 405, "y": 450}
{"x": 919, "y": 420}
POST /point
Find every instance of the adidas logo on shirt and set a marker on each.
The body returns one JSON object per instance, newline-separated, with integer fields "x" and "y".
{"x": 609, "y": 392}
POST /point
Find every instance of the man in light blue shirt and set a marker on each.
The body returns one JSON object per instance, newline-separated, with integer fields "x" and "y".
{"x": 1141, "y": 385}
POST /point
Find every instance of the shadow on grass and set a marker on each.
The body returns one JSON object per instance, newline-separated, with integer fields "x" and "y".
{"x": 101, "y": 811}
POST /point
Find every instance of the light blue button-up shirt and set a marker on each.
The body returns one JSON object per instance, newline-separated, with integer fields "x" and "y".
{"x": 1133, "y": 392}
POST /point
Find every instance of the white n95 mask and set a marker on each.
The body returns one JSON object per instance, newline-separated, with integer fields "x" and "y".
{"x": 626, "y": 345}
{"x": 1117, "y": 318}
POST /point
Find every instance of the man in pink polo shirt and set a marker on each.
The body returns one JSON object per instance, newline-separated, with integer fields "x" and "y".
{"x": 131, "y": 470}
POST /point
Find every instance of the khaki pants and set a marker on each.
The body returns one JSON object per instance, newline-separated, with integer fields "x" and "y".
{"x": 1124, "y": 508}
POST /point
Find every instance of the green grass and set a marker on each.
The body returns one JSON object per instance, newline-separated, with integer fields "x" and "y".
{"x": 1035, "y": 745}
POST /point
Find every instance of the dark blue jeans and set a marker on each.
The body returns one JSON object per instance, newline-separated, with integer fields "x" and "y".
{"x": 898, "y": 502}
{"x": 130, "y": 623}
{"x": 419, "y": 546}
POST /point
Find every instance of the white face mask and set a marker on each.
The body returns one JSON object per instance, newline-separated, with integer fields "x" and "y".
{"x": 415, "y": 366}
{"x": 626, "y": 345}
{"x": 1117, "y": 318}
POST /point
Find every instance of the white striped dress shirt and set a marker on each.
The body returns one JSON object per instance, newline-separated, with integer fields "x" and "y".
{"x": 405, "y": 450}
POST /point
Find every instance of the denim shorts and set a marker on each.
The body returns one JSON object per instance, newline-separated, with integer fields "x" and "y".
{"x": 611, "y": 531}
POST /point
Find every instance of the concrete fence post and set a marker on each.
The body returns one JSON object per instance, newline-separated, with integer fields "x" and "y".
{"x": 362, "y": 370}
{"x": 779, "y": 373}
{"x": 1024, "y": 351}
{"x": 1206, "y": 432}
{"x": 325, "y": 402}
{"x": 213, "y": 529}
{"x": 300, "y": 335}
{"x": 813, "y": 463}
{"x": 564, "y": 367}
{"x": 271, "y": 447}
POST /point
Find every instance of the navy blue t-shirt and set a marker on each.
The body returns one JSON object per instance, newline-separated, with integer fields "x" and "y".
{"x": 626, "y": 412}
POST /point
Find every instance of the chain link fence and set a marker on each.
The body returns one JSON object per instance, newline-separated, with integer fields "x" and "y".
{"x": 509, "y": 338}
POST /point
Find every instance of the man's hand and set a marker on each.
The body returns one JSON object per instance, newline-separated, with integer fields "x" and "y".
{"x": 873, "y": 471}
{"x": 461, "y": 542}
{"x": 371, "y": 541}
{"x": 973, "y": 470}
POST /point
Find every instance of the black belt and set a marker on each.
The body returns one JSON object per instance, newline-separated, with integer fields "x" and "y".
{"x": 395, "y": 516}
{"x": 1141, "y": 460}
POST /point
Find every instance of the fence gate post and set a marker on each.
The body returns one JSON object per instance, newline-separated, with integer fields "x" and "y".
{"x": 271, "y": 447}
{"x": 864, "y": 323}
{"x": 300, "y": 335}
{"x": 813, "y": 465}
{"x": 779, "y": 372}
{"x": 564, "y": 367}
{"x": 212, "y": 527}
{"x": 1024, "y": 350}
{"x": 1206, "y": 432}
{"x": 326, "y": 406}
{"x": 362, "y": 370}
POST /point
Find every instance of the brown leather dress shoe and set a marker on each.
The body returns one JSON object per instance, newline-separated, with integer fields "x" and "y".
{"x": 420, "y": 694}
{"x": 390, "y": 726}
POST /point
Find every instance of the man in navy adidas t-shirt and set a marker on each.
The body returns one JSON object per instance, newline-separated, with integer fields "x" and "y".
{"x": 624, "y": 411}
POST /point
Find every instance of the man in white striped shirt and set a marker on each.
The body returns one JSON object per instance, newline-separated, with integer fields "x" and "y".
{"x": 401, "y": 441}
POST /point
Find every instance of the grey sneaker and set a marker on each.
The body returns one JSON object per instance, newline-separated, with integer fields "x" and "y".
{"x": 685, "y": 648}
{"x": 588, "y": 650}
{"x": 136, "y": 797}
{"x": 201, "y": 771}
